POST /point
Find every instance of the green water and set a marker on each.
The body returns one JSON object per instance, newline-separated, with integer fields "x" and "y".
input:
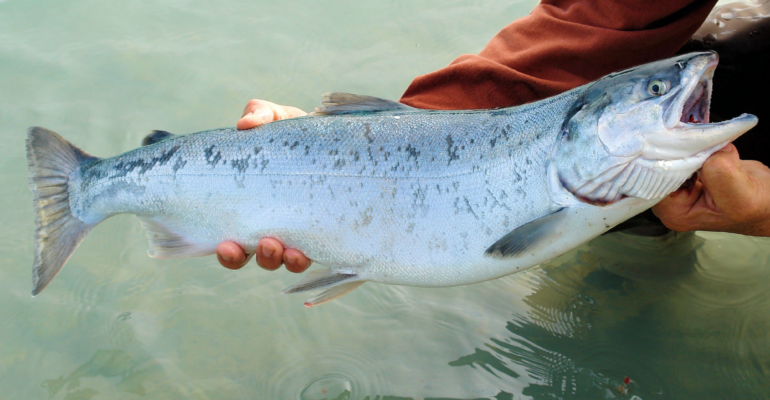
{"x": 684, "y": 317}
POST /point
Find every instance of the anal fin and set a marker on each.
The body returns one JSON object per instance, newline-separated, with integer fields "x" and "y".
{"x": 528, "y": 235}
{"x": 333, "y": 284}
{"x": 165, "y": 243}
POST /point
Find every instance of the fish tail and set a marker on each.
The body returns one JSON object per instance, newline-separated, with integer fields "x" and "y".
{"x": 52, "y": 160}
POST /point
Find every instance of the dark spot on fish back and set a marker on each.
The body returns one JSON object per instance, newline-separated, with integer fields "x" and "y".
{"x": 413, "y": 153}
{"x": 451, "y": 149}
{"x": 211, "y": 158}
{"x": 179, "y": 164}
{"x": 241, "y": 165}
{"x": 368, "y": 132}
{"x": 123, "y": 168}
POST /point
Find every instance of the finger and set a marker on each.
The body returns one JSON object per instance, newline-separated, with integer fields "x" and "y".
{"x": 676, "y": 209}
{"x": 231, "y": 256}
{"x": 730, "y": 187}
{"x": 284, "y": 112}
{"x": 295, "y": 261}
{"x": 259, "y": 112}
{"x": 269, "y": 254}
{"x": 256, "y": 112}
{"x": 680, "y": 200}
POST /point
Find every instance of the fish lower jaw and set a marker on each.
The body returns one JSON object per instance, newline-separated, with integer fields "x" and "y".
{"x": 687, "y": 140}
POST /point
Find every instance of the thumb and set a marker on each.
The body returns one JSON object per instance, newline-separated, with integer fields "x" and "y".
{"x": 675, "y": 209}
{"x": 726, "y": 182}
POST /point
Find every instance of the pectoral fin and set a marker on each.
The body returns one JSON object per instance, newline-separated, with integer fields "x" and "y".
{"x": 528, "y": 236}
{"x": 335, "y": 285}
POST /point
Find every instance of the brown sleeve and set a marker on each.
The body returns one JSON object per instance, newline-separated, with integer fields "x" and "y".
{"x": 560, "y": 45}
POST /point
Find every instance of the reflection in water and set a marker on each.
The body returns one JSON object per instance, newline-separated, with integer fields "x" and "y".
{"x": 642, "y": 318}
{"x": 105, "y": 363}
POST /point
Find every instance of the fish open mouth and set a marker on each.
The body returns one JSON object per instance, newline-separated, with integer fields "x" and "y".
{"x": 696, "y": 108}
{"x": 687, "y": 119}
{"x": 693, "y": 109}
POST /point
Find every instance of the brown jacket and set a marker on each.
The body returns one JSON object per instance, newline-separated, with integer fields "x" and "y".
{"x": 560, "y": 45}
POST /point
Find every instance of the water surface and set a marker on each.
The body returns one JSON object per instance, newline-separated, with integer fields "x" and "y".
{"x": 682, "y": 317}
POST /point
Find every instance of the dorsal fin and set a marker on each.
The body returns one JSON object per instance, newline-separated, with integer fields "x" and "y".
{"x": 335, "y": 103}
{"x": 157, "y": 136}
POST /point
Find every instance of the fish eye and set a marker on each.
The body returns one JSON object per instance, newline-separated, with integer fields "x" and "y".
{"x": 657, "y": 88}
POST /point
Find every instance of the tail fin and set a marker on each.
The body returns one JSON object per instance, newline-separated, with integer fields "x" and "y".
{"x": 52, "y": 160}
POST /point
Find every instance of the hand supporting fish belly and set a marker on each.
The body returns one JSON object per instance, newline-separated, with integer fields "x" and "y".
{"x": 393, "y": 194}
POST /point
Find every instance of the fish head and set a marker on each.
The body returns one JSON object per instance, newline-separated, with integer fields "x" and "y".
{"x": 642, "y": 132}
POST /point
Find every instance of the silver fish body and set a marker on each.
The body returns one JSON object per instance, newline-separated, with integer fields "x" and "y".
{"x": 402, "y": 197}
{"x": 380, "y": 193}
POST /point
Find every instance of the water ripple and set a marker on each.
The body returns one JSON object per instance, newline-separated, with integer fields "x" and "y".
{"x": 354, "y": 364}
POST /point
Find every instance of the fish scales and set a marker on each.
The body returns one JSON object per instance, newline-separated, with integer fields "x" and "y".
{"x": 386, "y": 194}
{"x": 378, "y": 191}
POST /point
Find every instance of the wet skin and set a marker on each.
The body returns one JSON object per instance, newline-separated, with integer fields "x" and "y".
{"x": 730, "y": 195}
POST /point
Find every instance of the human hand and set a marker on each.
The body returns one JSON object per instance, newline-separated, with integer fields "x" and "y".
{"x": 731, "y": 195}
{"x": 270, "y": 252}
{"x": 259, "y": 112}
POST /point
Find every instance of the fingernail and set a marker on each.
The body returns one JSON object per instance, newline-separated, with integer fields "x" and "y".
{"x": 226, "y": 258}
{"x": 292, "y": 259}
{"x": 728, "y": 148}
{"x": 267, "y": 251}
